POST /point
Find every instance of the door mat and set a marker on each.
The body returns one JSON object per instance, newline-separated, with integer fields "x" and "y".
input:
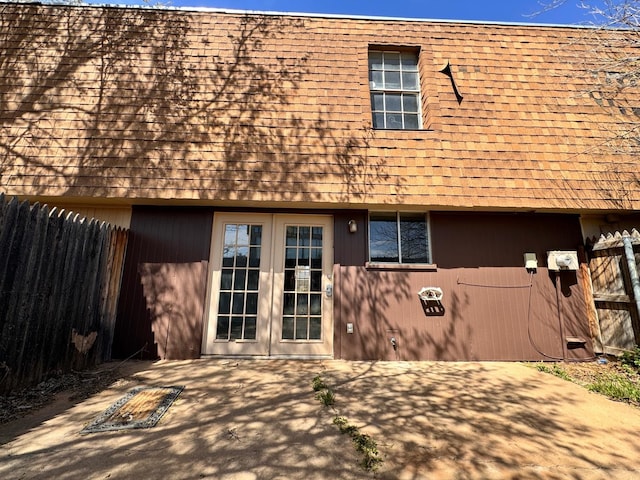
{"x": 141, "y": 407}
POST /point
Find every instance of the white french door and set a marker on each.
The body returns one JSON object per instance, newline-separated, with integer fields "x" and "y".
{"x": 270, "y": 286}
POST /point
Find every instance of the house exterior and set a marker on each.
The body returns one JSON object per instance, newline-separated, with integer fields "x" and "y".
{"x": 293, "y": 182}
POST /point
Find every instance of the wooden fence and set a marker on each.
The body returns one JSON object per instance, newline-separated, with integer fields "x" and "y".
{"x": 59, "y": 285}
{"x": 616, "y": 306}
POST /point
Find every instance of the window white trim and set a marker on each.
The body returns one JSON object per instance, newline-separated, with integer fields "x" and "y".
{"x": 394, "y": 88}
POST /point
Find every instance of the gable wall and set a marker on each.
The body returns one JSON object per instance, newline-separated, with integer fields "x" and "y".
{"x": 212, "y": 108}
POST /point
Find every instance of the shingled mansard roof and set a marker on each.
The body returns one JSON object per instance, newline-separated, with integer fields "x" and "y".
{"x": 211, "y": 107}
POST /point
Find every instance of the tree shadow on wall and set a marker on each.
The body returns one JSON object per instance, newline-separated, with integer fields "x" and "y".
{"x": 385, "y": 305}
{"x": 119, "y": 102}
{"x": 602, "y": 74}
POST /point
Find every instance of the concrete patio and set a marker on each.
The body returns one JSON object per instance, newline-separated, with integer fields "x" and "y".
{"x": 259, "y": 419}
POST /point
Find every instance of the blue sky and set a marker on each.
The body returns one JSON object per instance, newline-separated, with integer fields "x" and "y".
{"x": 488, "y": 10}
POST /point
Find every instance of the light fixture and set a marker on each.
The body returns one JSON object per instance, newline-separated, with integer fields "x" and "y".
{"x": 353, "y": 226}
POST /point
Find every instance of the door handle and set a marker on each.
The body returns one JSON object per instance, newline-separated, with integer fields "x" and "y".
{"x": 329, "y": 290}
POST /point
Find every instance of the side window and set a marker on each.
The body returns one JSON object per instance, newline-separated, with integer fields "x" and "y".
{"x": 399, "y": 238}
{"x": 395, "y": 90}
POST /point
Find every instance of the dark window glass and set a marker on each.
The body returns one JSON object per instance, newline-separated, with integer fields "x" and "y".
{"x": 225, "y": 280}
{"x": 225, "y": 303}
{"x": 222, "y": 332}
{"x": 287, "y": 328}
{"x": 411, "y": 121}
{"x": 250, "y": 328}
{"x": 383, "y": 232}
{"x": 236, "y": 328}
{"x": 301, "y": 329}
{"x": 315, "y": 328}
{"x": 413, "y": 238}
{"x": 252, "y": 279}
{"x": 238, "y": 281}
{"x": 252, "y": 303}
{"x": 398, "y": 238}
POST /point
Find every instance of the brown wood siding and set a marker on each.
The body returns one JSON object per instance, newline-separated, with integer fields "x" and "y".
{"x": 164, "y": 283}
{"x": 489, "y": 311}
{"x": 350, "y": 248}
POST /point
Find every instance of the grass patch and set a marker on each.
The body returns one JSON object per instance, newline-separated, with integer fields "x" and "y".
{"x": 363, "y": 443}
{"x": 318, "y": 384}
{"x": 617, "y": 387}
{"x": 323, "y": 392}
{"x": 326, "y": 397}
{"x": 554, "y": 369}
{"x": 632, "y": 359}
{"x": 616, "y": 379}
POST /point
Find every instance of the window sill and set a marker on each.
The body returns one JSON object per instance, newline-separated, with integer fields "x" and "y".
{"x": 389, "y": 134}
{"x": 413, "y": 267}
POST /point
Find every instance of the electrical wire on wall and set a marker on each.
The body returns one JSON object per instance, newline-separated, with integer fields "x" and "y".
{"x": 494, "y": 286}
{"x": 531, "y": 341}
{"x": 530, "y": 337}
{"x": 559, "y": 309}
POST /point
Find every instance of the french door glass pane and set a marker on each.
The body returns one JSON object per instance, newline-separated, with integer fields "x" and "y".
{"x": 225, "y": 279}
{"x": 287, "y": 328}
{"x": 315, "y": 328}
{"x": 239, "y": 282}
{"x": 316, "y": 236}
{"x": 304, "y": 238}
{"x": 301, "y": 330}
{"x": 302, "y": 301}
{"x": 252, "y": 279}
{"x": 250, "y": 328}
{"x": 223, "y": 328}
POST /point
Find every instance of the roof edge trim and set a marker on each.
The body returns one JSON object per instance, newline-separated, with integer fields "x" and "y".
{"x": 304, "y": 14}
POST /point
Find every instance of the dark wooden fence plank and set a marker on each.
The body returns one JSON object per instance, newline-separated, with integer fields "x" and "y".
{"x": 59, "y": 302}
{"x": 26, "y": 354}
{"x": 46, "y": 293}
{"x": 16, "y": 265}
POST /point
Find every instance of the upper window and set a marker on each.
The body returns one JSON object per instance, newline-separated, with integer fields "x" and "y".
{"x": 395, "y": 89}
{"x": 398, "y": 238}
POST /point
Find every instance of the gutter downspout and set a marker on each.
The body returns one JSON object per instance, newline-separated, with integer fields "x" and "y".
{"x": 633, "y": 271}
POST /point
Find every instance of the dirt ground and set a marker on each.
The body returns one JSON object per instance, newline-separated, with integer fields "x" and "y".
{"x": 260, "y": 420}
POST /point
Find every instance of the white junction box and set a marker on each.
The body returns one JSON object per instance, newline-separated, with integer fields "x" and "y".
{"x": 530, "y": 261}
{"x": 558, "y": 260}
